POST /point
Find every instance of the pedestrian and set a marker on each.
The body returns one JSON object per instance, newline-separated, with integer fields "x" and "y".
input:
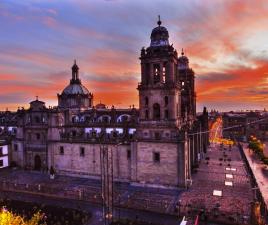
{"x": 52, "y": 173}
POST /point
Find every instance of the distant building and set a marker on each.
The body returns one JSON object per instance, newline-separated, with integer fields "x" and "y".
{"x": 157, "y": 144}
{"x": 4, "y": 154}
{"x": 241, "y": 125}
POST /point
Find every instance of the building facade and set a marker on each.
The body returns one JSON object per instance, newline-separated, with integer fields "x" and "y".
{"x": 157, "y": 144}
{"x": 240, "y": 126}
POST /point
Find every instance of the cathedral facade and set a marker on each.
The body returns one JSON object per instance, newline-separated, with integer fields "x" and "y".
{"x": 157, "y": 144}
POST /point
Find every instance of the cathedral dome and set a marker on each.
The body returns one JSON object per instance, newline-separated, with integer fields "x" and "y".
{"x": 73, "y": 89}
{"x": 159, "y": 35}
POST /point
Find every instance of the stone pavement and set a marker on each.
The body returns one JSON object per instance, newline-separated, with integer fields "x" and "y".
{"x": 223, "y": 164}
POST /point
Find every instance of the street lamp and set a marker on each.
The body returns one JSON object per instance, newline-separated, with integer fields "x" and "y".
{"x": 179, "y": 205}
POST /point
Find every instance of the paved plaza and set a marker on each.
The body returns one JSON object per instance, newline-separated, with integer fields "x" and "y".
{"x": 224, "y": 173}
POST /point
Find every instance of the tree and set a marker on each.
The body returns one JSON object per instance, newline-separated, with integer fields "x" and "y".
{"x": 8, "y": 218}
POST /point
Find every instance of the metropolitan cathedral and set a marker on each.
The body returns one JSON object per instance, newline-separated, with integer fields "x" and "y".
{"x": 158, "y": 143}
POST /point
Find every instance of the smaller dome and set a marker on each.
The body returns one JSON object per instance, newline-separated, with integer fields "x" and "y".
{"x": 100, "y": 106}
{"x": 72, "y": 89}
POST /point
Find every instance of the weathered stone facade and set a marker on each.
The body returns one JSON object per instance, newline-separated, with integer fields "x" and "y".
{"x": 151, "y": 145}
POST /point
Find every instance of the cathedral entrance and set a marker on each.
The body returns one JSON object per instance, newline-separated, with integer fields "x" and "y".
{"x": 37, "y": 162}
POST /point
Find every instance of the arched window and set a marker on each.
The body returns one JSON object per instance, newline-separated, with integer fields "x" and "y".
{"x": 37, "y": 119}
{"x": 156, "y": 73}
{"x": 166, "y": 100}
{"x": 146, "y": 114}
{"x": 73, "y": 133}
{"x": 146, "y": 101}
{"x": 166, "y": 114}
{"x": 156, "y": 108}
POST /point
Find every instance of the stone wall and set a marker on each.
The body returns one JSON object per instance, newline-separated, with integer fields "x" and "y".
{"x": 164, "y": 172}
{"x": 73, "y": 163}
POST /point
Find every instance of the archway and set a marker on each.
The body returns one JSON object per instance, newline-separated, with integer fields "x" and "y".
{"x": 37, "y": 162}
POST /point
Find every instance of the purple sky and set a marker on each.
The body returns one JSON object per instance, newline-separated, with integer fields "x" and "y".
{"x": 225, "y": 40}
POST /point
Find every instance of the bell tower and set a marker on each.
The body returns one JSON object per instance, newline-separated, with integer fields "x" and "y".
{"x": 188, "y": 96}
{"x": 159, "y": 90}
{"x": 162, "y": 149}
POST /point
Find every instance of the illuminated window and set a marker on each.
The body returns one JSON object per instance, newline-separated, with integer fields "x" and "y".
{"x": 156, "y": 73}
{"x": 230, "y": 176}
{"x": 164, "y": 73}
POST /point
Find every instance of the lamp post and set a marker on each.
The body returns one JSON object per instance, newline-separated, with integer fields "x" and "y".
{"x": 179, "y": 208}
{"x": 118, "y": 174}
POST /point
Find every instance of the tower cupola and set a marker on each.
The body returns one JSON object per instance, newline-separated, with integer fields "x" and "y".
{"x": 159, "y": 35}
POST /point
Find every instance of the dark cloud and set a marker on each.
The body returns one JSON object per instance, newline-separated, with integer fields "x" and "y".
{"x": 16, "y": 97}
{"x": 215, "y": 77}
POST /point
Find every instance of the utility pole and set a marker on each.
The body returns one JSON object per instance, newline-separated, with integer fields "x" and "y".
{"x": 106, "y": 162}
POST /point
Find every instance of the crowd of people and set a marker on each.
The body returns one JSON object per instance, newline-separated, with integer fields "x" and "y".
{"x": 52, "y": 215}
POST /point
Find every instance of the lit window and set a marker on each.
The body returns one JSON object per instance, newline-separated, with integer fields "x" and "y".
{"x": 164, "y": 73}
{"x": 230, "y": 176}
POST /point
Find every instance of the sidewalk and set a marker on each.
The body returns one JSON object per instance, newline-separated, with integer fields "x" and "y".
{"x": 260, "y": 172}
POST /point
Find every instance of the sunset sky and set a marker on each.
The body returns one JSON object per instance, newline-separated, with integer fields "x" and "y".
{"x": 226, "y": 42}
